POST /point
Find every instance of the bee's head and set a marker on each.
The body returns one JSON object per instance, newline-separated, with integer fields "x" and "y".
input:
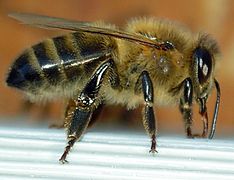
{"x": 204, "y": 58}
{"x": 204, "y": 62}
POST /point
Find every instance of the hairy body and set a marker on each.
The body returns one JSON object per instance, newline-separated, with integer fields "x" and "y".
{"x": 152, "y": 62}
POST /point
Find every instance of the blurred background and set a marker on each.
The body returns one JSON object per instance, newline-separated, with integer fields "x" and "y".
{"x": 212, "y": 16}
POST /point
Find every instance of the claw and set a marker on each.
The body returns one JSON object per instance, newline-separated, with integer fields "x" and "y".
{"x": 56, "y": 126}
{"x": 192, "y": 136}
{"x": 153, "y": 151}
{"x": 63, "y": 161}
{"x": 153, "y": 145}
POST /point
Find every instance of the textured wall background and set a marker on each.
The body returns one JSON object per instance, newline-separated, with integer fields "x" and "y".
{"x": 212, "y": 16}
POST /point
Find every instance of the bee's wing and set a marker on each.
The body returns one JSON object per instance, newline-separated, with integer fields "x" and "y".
{"x": 60, "y": 23}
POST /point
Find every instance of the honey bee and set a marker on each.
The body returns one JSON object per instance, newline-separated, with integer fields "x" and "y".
{"x": 152, "y": 62}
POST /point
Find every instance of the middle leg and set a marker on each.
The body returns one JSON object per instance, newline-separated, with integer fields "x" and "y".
{"x": 148, "y": 111}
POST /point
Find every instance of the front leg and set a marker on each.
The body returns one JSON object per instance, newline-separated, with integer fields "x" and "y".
{"x": 186, "y": 109}
{"x": 186, "y": 105}
{"x": 148, "y": 111}
{"x": 79, "y": 111}
{"x": 204, "y": 115}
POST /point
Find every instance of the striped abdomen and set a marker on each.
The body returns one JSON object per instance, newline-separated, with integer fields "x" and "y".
{"x": 57, "y": 62}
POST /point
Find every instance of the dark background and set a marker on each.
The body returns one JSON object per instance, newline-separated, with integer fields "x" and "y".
{"x": 212, "y": 16}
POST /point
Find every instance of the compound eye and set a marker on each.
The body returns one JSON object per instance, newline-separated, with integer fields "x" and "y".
{"x": 203, "y": 61}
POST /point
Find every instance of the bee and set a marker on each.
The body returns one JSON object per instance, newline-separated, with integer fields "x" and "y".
{"x": 152, "y": 62}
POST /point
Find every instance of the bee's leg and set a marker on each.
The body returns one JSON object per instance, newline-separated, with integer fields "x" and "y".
{"x": 186, "y": 105}
{"x": 148, "y": 111}
{"x": 96, "y": 114}
{"x": 70, "y": 109}
{"x": 203, "y": 112}
{"x": 26, "y": 106}
{"x": 77, "y": 120}
{"x": 79, "y": 111}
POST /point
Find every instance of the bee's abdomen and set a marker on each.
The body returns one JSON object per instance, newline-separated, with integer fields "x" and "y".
{"x": 54, "y": 62}
{"x": 23, "y": 73}
{"x": 34, "y": 68}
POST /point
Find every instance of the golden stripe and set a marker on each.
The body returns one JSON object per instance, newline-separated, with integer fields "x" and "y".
{"x": 33, "y": 61}
{"x": 72, "y": 44}
{"x": 51, "y": 52}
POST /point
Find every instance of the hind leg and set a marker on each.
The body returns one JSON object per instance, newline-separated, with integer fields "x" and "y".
{"x": 80, "y": 110}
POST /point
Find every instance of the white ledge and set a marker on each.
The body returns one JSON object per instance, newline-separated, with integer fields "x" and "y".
{"x": 33, "y": 153}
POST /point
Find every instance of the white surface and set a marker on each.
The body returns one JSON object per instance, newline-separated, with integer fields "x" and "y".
{"x": 33, "y": 153}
